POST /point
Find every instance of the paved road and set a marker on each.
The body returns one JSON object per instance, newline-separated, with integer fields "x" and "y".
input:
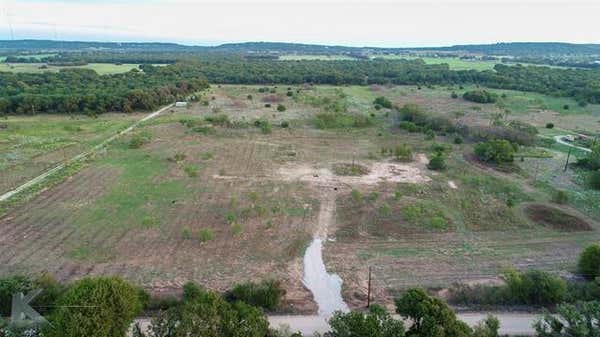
{"x": 512, "y": 324}
{"x": 78, "y": 157}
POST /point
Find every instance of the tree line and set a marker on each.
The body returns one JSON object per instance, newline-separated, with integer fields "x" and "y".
{"x": 79, "y": 90}
{"x": 84, "y": 91}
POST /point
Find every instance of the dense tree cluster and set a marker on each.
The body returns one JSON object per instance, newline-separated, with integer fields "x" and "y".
{"x": 480, "y": 96}
{"x": 83, "y": 90}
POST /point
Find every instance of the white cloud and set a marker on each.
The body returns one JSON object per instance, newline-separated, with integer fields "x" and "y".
{"x": 384, "y": 23}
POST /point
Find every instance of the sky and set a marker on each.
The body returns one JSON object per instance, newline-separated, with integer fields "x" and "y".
{"x": 400, "y": 23}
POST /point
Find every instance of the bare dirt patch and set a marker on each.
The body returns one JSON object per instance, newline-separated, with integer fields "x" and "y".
{"x": 378, "y": 172}
{"x": 556, "y": 218}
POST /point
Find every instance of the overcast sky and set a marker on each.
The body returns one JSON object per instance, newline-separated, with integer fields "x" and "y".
{"x": 366, "y": 23}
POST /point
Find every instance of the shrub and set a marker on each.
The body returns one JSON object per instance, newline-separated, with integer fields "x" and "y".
{"x": 219, "y": 120}
{"x": 480, "y": 96}
{"x": 268, "y": 105}
{"x": 454, "y": 95}
{"x": 458, "y": 140}
{"x": 437, "y": 162}
{"x": 429, "y": 135}
{"x": 487, "y": 328}
{"x": 191, "y": 170}
{"x": 594, "y": 180}
{"x": 549, "y": 125}
{"x": 578, "y": 320}
{"x": 249, "y": 97}
{"x": 377, "y": 322}
{"x": 206, "y": 234}
{"x": 285, "y": 124}
{"x": 192, "y": 291}
{"x": 137, "y": 140}
{"x": 566, "y": 107}
{"x": 208, "y": 314}
{"x": 356, "y": 195}
{"x": 9, "y": 286}
{"x": 92, "y": 307}
{"x": 290, "y": 93}
{"x": 266, "y": 294}
{"x": 560, "y": 197}
{"x": 430, "y": 316}
{"x": 498, "y": 151}
{"x": 589, "y": 262}
{"x": 535, "y": 287}
{"x": 383, "y": 102}
{"x": 281, "y": 107}
{"x": 403, "y": 152}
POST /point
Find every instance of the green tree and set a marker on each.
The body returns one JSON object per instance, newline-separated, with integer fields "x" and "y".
{"x": 589, "y": 262}
{"x": 430, "y": 316}
{"x": 487, "y": 328}
{"x": 95, "y": 307}
{"x": 207, "y": 314}
{"x": 375, "y": 323}
{"x": 571, "y": 320}
{"x": 498, "y": 151}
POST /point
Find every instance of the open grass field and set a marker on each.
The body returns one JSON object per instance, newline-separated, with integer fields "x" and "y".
{"x": 228, "y": 199}
{"x": 100, "y": 68}
{"x": 30, "y": 145}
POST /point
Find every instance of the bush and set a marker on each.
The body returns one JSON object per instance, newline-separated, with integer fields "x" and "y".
{"x": 566, "y": 107}
{"x": 549, "y": 125}
{"x": 454, "y": 95}
{"x": 498, "y": 151}
{"x": 268, "y": 105}
{"x": 281, "y": 107}
{"x": 431, "y": 316}
{"x": 594, "y": 180}
{"x": 219, "y": 120}
{"x": 377, "y": 322}
{"x": 266, "y": 295}
{"x": 403, "y": 152}
{"x": 535, "y": 287}
{"x": 285, "y": 124}
{"x": 249, "y": 97}
{"x": 437, "y": 162}
{"x": 9, "y": 286}
{"x": 137, "y": 140}
{"x": 383, "y": 102}
{"x": 191, "y": 170}
{"x": 589, "y": 262}
{"x": 458, "y": 140}
{"x": 93, "y": 307}
{"x": 487, "y": 328}
{"x": 264, "y": 126}
{"x": 429, "y": 135}
{"x": 191, "y": 291}
{"x": 560, "y": 197}
{"x": 480, "y": 96}
{"x": 207, "y": 314}
{"x": 578, "y": 320}
{"x": 206, "y": 234}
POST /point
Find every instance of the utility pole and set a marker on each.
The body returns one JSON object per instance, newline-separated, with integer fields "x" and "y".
{"x": 568, "y": 157}
{"x": 369, "y": 289}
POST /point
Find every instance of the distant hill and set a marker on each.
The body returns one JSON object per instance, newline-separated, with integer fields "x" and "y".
{"x": 517, "y": 49}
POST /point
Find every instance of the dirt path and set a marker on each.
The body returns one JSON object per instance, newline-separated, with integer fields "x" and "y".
{"x": 559, "y": 139}
{"x": 78, "y": 157}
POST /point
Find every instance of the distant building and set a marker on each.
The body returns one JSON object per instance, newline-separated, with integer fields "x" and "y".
{"x": 180, "y": 104}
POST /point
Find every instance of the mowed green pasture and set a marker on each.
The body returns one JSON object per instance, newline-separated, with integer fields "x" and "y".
{"x": 100, "y": 68}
